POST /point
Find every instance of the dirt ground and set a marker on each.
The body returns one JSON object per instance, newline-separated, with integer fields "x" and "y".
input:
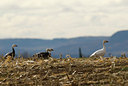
{"x": 64, "y": 72}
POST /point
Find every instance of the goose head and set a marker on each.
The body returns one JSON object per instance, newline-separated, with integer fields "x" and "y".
{"x": 105, "y": 41}
{"x": 49, "y": 49}
{"x": 14, "y": 45}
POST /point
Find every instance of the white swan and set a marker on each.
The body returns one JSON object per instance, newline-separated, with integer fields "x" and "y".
{"x": 100, "y": 52}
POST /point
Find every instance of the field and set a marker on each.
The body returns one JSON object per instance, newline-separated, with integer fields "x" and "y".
{"x": 64, "y": 72}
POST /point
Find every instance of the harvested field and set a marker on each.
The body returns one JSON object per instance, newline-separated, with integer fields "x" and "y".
{"x": 64, "y": 72}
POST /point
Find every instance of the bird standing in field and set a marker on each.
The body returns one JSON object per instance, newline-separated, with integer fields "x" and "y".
{"x": 44, "y": 55}
{"x": 100, "y": 52}
{"x": 11, "y": 54}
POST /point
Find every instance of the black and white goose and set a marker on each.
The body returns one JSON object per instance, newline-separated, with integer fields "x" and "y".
{"x": 12, "y": 54}
{"x": 44, "y": 55}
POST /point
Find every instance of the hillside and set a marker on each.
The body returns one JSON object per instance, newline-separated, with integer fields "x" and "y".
{"x": 119, "y": 37}
{"x": 64, "y": 46}
{"x": 117, "y": 45}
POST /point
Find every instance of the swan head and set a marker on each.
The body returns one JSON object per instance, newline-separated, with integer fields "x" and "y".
{"x": 105, "y": 41}
{"x": 14, "y": 45}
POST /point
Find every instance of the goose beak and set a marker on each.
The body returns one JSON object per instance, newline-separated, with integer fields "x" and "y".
{"x": 14, "y": 45}
{"x": 107, "y": 41}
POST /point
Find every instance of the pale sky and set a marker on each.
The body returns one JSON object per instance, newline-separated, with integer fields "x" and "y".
{"x": 48, "y": 19}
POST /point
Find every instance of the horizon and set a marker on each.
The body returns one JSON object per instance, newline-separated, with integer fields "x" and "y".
{"x": 55, "y": 38}
{"x": 63, "y": 37}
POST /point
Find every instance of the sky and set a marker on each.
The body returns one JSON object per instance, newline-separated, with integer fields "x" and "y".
{"x": 48, "y": 19}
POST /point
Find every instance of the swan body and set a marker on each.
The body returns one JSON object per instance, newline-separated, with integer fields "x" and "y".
{"x": 100, "y": 52}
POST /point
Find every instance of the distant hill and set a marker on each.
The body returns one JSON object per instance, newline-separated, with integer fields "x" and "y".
{"x": 121, "y": 36}
{"x": 117, "y": 44}
{"x": 64, "y": 46}
{"x": 87, "y": 44}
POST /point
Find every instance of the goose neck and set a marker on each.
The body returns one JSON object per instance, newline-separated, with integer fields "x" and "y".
{"x": 104, "y": 46}
{"x": 13, "y": 50}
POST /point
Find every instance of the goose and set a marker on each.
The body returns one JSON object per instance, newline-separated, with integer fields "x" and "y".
{"x": 44, "y": 55}
{"x": 12, "y": 54}
{"x": 100, "y": 52}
